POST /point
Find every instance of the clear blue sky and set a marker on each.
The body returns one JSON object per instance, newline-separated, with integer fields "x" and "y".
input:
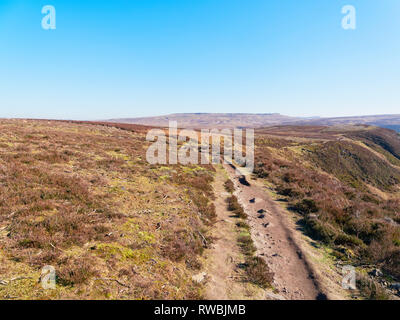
{"x": 110, "y": 59}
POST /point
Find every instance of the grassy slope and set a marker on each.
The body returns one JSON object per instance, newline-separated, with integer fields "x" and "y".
{"x": 347, "y": 195}
{"x": 83, "y": 199}
{"x": 381, "y": 140}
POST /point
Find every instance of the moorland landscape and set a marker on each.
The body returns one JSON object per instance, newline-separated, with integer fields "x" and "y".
{"x": 80, "y": 196}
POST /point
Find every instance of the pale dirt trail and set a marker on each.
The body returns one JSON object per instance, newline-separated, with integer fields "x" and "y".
{"x": 281, "y": 245}
{"x": 300, "y": 272}
{"x": 224, "y": 278}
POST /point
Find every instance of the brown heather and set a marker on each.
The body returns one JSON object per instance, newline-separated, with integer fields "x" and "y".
{"x": 82, "y": 198}
{"x": 343, "y": 183}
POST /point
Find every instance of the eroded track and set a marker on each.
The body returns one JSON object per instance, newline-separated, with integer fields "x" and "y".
{"x": 280, "y": 244}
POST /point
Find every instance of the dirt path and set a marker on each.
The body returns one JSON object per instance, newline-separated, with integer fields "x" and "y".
{"x": 301, "y": 271}
{"x": 295, "y": 264}
{"x": 224, "y": 278}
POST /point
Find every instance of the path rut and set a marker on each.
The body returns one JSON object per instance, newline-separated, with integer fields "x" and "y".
{"x": 293, "y": 277}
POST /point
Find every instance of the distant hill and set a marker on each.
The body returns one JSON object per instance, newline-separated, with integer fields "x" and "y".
{"x": 258, "y": 120}
{"x": 213, "y": 120}
{"x": 390, "y": 121}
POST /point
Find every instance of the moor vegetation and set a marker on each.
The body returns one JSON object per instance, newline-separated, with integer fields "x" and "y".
{"x": 345, "y": 185}
{"x": 82, "y": 198}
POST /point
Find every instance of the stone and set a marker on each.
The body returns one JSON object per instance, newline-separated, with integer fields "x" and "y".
{"x": 395, "y": 286}
{"x": 376, "y": 273}
{"x": 199, "y": 277}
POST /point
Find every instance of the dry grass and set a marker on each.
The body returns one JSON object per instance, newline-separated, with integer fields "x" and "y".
{"x": 82, "y": 198}
{"x": 229, "y": 187}
{"x": 235, "y": 207}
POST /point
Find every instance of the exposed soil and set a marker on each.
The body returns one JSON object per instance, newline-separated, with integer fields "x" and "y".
{"x": 281, "y": 245}
{"x": 224, "y": 277}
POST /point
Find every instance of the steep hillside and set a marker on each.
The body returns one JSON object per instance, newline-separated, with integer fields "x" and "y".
{"x": 83, "y": 199}
{"x": 344, "y": 186}
{"x": 354, "y": 164}
{"x": 382, "y": 140}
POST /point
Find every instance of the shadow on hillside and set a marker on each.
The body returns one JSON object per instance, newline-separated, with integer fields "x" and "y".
{"x": 301, "y": 225}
